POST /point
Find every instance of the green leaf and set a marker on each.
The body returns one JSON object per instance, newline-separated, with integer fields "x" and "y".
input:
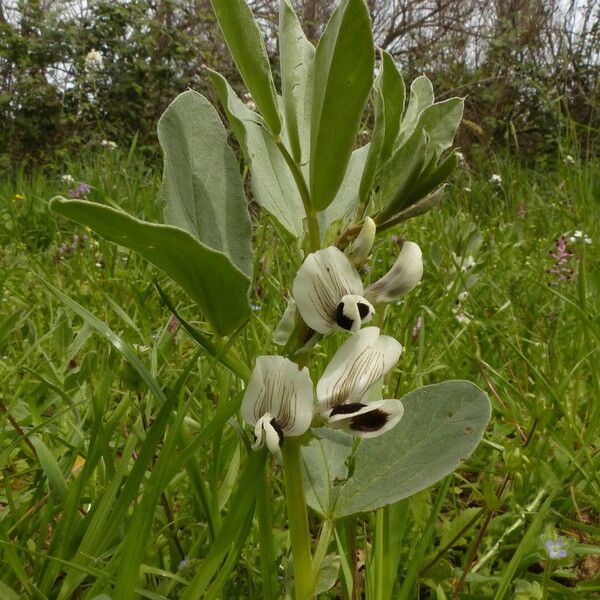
{"x": 50, "y": 467}
{"x": 394, "y": 93}
{"x": 343, "y": 77}
{"x": 432, "y": 179}
{"x": 388, "y": 103}
{"x": 242, "y": 504}
{"x": 442, "y": 425}
{"x": 202, "y": 187}
{"x": 440, "y": 121}
{"x": 218, "y": 287}
{"x": 296, "y": 58}
{"x": 272, "y": 182}
{"x": 245, "y": 42}
{"x": 325, "y": 469}
{"x": 346, "y": 199}
{"x": 400, "y": 173}
{"x": 421, "y": 96}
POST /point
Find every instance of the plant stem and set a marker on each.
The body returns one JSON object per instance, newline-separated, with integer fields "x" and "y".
{"x": 314, "y": 237}
{"x": 321, "y": 551}
{"x": 298, "y": 519}
{"x": 380, "y": 531}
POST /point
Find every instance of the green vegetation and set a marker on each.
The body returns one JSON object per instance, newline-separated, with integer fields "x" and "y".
{"x": 122, "y": 456}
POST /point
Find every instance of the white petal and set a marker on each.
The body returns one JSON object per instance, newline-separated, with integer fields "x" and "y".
{"x": 277, "y": 387}
{"x": 352, "y": 312}
{"x": 357, "y": 365}
{"x": 267, "y": 430}
{"x": 366, "y": 420}
{"x": 401, "y": 278}
{"x": 358, "y": 250}
{"x": 325, "y": 277}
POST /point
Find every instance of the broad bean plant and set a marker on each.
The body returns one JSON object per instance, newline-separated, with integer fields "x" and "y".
{"x": 345, "y": 447}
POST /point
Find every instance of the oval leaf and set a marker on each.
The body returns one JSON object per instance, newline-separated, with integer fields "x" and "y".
{"x": 202, "y": 187}
{"x": 296, "y": 57}
{"x": 218, "y": 287}
{"x": 343, "y": 77}
{"x": 272, "y": 182}
{"x": 442, "y": 425}
{"x": 245, "y": 42}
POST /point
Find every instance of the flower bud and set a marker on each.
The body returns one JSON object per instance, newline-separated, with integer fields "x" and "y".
{"x": 358, "y": 251}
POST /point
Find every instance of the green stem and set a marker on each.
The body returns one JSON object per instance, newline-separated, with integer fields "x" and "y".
{"x": 321, "y": 551}
{"x": 314, "y": 237}
{"x": 380, "y": 531}
{"x": 298, "y": 519}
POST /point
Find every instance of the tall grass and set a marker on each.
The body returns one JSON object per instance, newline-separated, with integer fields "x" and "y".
{"x": 124, "y": 465}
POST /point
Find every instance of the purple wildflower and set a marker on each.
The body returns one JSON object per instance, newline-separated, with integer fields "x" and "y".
{"x": 417, "y": 328}
{"x": 82, "y": 189}
{"x": 561, "y": 269}
{"x": 556, "y": 548}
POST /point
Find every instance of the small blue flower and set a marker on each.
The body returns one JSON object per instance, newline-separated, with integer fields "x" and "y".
{"x": 183, "y": 564}
{"x": 556, "y": 548}
{"x": 255, "y": 307}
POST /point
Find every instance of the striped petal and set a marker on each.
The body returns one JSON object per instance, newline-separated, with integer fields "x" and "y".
{"x": 359, "y": 363}
{"x": 401, "y": 278}
{"x": 366, "y": 420}
{"x": 278, "y": 399}
{"x": 325, "y": 277}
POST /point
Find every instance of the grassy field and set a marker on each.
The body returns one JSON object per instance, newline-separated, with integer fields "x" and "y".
{"x": 98, "y": 489}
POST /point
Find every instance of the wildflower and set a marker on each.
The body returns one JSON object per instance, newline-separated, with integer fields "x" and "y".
{"x": 467, "y": 189}
{"x": 578, "y": 235}
{"x": 108, "y": 144}
{"x": 460, "y": 156}
{"x": 18, "y": 198}
{"x": 255, "y": 307}
{"x": 417, "y": 328}
{"x": 328, "y": 290}
{"x": 82, "y": 189}
{"x": 561, "y": 268}
{"x": 278, "y": 401}
{"x": 465, "y": 263}
{"x": 569, "y": 160}
{"x": 357, "y": 366}
{"x": 555, "y": 548}
{"x": 462, "y": 317}
{"x": 183, "y": 564}
{"x": 462, "y": 297}
{"x": 67, "y": 179}
{"x": 94, "y": 61}
{"x": 496, "y": 179}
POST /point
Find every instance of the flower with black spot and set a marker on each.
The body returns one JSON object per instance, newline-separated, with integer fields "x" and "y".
{"x": 350, "y": 380}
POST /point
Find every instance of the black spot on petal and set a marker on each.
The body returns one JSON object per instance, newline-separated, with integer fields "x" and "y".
{"x": 363, "y": 309}
{"x": 345, "y": 409}
{"x": 371, "y": 421}
{"x": 341, "y": 319}
{"x": 275, "y": 425}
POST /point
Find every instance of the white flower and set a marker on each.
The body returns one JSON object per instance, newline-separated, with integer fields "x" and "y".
{"x": 67, "y": 179}
{"x": 465, "y": 263}
{"x": 278, "y": 401}
{"x": 358, "y": 250}
{"x": 94, "y": 61}
{"x": 352, "y": 375}
{"x": 578, "y": 234}
{"x": 462, "y": 297}
{"x": 329, "y": 293}
{"x": 467, "y": 189}
{"x": 108, "y": 144}
{"x": 401, "y": 278}
{"x": 460, "y": 156}
{"x": 496, "y": 179}
{"x": 462, "y": 317}
{"x": 569, "y": 160}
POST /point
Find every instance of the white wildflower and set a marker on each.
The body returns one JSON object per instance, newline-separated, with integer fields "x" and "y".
{"x": 94, "y": 61}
